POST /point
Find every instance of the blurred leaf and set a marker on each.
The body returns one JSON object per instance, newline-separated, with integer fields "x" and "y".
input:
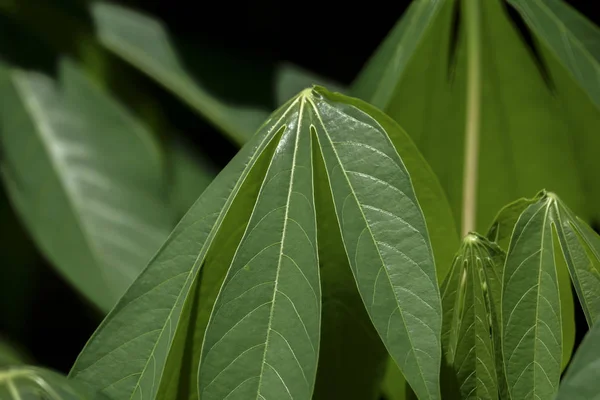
{"x": 574, "y": 39}
{"x": 191, "y": 173}
{"x": 523, "y": 137}
{"x": 504, "y": 223}
{"x": 10, "y": 355}
{"x": 582, "y": 380}
{"x": 84, "y": 176}
{"x": 154, "y": 332}
{"x": 33, "y": 383}
{"x": 145, "y": 43}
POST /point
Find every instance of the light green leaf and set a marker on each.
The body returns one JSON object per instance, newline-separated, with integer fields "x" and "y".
{"x": 531, "y": 312}
{"x": 582, "y": 380}
{"x": 469, "y": 326}
{"x": 574, "y": 39}
{"x": 475, "y": 91}
{"x": 145, "y": 43}
{"x": 84, "y": 176}
{"x": 33, "y": 383}
{"x": 376, "y": 206}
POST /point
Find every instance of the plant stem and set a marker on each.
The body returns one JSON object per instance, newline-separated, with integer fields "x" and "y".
{"x": 473, "y": 118}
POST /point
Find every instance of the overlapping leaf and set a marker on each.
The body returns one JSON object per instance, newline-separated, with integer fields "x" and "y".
{"x": 470, "y": 297}
{"x": 253, "y": 234}
{"x": 84, "y": 176}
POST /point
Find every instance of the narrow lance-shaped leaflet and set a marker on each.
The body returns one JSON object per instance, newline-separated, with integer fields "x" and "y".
{"x": 385, "y": 237}
{"x": 263, "y": 337}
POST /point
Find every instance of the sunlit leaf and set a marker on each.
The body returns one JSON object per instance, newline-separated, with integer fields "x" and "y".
{"x": 84, "y": 176}
{"x": 246, "y": 254}
{"x": 582, "y": 380}
{"x": 33, "y": 383}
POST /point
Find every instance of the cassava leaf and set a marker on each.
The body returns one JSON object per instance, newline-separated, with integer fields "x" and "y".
{"x": 582, "y": 380}
{"x": 570, "y": 36}
{"x": 84, "y": 176}
{"x": 231, "y": 257}
{"x": 365, "y": 173}
{"x": 469, "y": 301}
{"x": 531, "y": 312}
{"x": 581, "y": 249}
{"x": 507, "y": 217}
{"x": 33, "y": 383}
{"x": 512, "y": 111}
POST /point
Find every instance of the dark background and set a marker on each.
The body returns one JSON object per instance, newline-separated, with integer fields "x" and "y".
{"x": 38, "y": 310}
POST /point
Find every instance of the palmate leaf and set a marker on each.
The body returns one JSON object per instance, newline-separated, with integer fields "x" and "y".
{"x": 254, "y": 233}
{"x": 470, "y": 300}
{"x": 474, "y": 90}
{"x": 500, "y": 232}
{"x": 582, "y": 380}
{"x": 33, "y": 383}
{"x": 531, "y": 310}
{"x": 84, "y": 176}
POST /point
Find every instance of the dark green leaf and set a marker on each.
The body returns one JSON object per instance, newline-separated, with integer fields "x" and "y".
{"x": 262, "y": 338}
{"x": 582, "y": 380}
{"x": 85, "y": 177}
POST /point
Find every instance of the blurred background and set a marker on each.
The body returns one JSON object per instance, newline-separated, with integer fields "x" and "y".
{"x": 246, "y": 50}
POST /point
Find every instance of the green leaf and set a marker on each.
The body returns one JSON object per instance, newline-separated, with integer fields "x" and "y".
{"x": 570, "y": 36}
{"x": 581, "y": 249}
{"x": 33, "y": 383}
{"x": 350, "y": 364}
{"x": 149, "y": 317}
{"x": 469, "y": 301}
{"x": 262, "y": 337}
{"x": 375, "y": 205}
{"x": 74, "y": 159}
{"x": 582, "y": 380}
{"x": 531, "y": 312}
{"x": 490, "y": 113}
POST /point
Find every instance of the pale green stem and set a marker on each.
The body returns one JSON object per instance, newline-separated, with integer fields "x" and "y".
{"x": 473, "y": 118}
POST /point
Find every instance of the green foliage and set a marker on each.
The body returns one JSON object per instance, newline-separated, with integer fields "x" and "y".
{"x": 323, "y": 261}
